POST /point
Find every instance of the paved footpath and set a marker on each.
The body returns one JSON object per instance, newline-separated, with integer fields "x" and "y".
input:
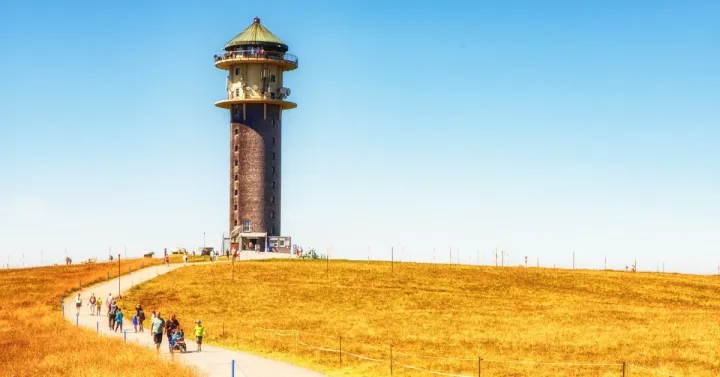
{"x": 212, "y": 361}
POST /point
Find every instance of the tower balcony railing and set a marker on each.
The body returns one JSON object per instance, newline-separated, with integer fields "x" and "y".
{"x": 248, "y": 55}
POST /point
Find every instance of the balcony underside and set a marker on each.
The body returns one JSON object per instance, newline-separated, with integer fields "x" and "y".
{"x": 228, "y": 63}
{"x": 226, "y": 104}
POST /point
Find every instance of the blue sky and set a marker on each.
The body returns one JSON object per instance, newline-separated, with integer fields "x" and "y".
{"x": 542, "y": 128}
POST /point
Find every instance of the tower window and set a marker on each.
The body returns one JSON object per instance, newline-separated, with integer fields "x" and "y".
{"x": 237, "y": 131}
{"x": 272, "y": 95}
{"x": 237, "y": 71}
{"x": 236, "y": 192}
{"x": 236, "y": 162}
{"x": 273, "y": 184}
{"x": 272, "y": 199}
{"x": 236, "y": 177}
{"x": 246, "y": 226}
{"x": 273, "y": 155}
{"x": 235, "y": 207}
{"x": 237, "y": 92}
{"x": 236, "y": 148}
{"x": 273, "y": 140}
{"x": 273, "y": 170}
{"x": 272, "y": 78}
{"x": 235, "y": 222}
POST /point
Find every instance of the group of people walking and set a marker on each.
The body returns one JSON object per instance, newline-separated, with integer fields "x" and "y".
{"x": 159, "y": 326}
{"x": 174, "y": 332}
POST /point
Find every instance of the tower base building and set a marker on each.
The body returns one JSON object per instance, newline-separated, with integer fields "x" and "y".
{"x": 256, "y": 97}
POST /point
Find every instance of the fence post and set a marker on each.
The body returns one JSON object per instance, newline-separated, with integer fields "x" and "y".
{"x": 391, "y": 360}
{"x": 77, "y": 320}
{"x": 340, "y": 352}
{"x": 624, "y": 368}
{"x": 232, "y": 368}
{"x": 479, "y": 366}
{"x": 97, "y": 327}
{"x": 125, "y": 336}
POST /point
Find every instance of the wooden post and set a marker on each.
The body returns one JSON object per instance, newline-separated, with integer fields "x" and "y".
{"x": 391, "y": 360}
{"x": 479, "y": 366}
{"x": 340, "y": 353}
{"x": 392, "y": 259}
{"x": 624, "y": 369}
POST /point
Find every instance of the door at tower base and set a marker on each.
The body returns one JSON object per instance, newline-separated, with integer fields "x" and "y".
{"x": 279, "y": 244}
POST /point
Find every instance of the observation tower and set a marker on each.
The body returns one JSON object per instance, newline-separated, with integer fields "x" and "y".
{"x": 256, "y": 97}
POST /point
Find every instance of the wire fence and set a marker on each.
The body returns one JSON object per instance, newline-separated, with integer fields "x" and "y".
{"x": 396, "y": 361}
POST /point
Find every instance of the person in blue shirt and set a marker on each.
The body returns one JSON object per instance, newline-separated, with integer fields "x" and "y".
{"x": 118, "y": 320}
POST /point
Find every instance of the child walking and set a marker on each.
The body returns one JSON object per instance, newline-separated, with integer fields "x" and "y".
{"x": 199, "y": 333}
{"x": 135, "y": 322}
{"x": 99, "y": 305}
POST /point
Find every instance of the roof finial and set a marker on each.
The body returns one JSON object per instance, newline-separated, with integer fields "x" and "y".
{"x": 256, "y": 20}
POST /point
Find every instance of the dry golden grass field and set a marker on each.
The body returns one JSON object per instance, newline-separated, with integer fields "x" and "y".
{"x": 35, "y": 339}
{"x": 666, "y": 322}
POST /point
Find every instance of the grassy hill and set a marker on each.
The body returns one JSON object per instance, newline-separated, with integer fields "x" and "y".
{"x": 35, "y": 339}
{"x": 666, "y": 322}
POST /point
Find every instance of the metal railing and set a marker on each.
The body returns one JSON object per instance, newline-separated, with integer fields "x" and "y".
{"x": 256, "y": 55}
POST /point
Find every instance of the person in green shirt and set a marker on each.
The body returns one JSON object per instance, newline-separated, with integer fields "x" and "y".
{"x": 199, "y": 333}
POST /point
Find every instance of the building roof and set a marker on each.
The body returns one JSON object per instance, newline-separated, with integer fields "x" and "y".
{"x": 255, "y": 34}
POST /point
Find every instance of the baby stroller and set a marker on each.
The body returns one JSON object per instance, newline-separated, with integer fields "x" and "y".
{"x": 177, "y": 341}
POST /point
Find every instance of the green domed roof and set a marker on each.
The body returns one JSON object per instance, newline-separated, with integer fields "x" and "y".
{"x": 255, "y": 34}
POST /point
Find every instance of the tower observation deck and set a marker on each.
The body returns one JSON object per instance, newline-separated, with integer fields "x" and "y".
{"x": 256, "y": 97}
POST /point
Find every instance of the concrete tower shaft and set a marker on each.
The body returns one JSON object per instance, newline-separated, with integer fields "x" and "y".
{"x": 256, "y": 97}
